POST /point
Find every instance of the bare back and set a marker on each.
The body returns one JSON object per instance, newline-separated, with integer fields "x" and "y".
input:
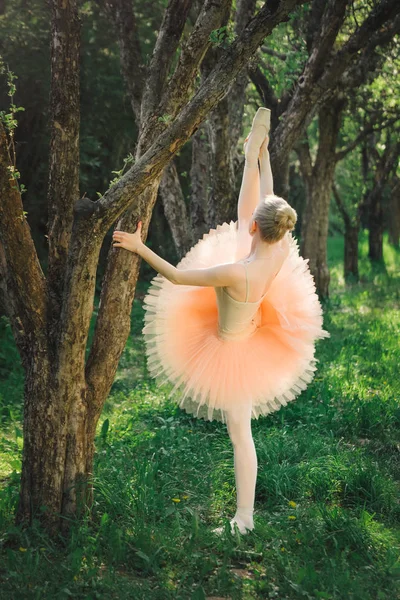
{"x": 259, "y": 272}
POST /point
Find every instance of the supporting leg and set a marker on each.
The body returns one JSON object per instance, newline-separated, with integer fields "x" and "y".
{"x": 245, "y": 465}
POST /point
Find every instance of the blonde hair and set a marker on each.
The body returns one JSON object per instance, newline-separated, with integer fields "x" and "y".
{"x": 274, "y": 217}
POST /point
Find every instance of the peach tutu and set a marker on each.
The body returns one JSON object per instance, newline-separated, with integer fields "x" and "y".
{"x": 211, "y": 376}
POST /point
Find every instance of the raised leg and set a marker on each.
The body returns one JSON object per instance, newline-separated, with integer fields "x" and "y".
{"x": 249, "y": 195}
{"x": 266, "y": 179}
{"x": 245, "y": 465}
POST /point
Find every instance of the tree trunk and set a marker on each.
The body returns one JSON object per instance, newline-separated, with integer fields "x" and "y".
{"x": 351, "y": 252}
{"x": 200, "y": 182}
{"x": 350, "y": 239}
{"x": 394, "y": 212}
{"x": 375, "y": 225}
{"x": 385, "y": 164}
{"x": 319, "y": 180}
{"x": 224, "y": 129}
{"x": 175, "y": 209}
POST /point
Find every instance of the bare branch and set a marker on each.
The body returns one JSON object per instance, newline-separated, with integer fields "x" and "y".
{"x": 324, "y": 38}
{"x": 380, "y": 25}
{"x": 182, "y": 82}
{"x": 264, "y": 89}
{"x": 370, "y": 128}
{"x": 274, "y": 53}
{"x": 311, "y": 92}
{"x": 164, "y": 51}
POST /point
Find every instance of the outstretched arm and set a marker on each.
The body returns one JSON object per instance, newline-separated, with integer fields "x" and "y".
{"x": 220, "y": 275}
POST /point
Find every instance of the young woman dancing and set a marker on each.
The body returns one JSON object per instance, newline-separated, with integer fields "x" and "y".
{"x": 233, "y": 326}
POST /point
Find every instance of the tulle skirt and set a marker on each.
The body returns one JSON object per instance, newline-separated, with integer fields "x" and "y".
{"x": 212, "y": 377}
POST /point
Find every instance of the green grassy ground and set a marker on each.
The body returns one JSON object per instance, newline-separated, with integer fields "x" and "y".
{"x": 327, "y": 511}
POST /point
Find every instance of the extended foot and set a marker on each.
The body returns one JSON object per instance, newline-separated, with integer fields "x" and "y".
{"x": 243, "y": 527}
{"x": 257, "y": 136}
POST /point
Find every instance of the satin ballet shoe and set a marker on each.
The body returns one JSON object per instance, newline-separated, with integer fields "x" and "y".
{"x": 258, "y": 133}
{"x": 234, "y": 525}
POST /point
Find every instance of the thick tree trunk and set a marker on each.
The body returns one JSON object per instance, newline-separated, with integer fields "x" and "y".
{"x": 315, "y": 233}
{"x": 319, "y": 180}
{"x": 222, "y": 199}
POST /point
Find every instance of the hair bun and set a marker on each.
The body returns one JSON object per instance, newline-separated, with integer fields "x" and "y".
{"x": 286, "y": 218}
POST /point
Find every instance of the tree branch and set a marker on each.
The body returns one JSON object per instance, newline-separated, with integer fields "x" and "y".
{"x": 23, "y": 282}
{"x": 164, "y": 51}
{"x": 263, "y": 87}
{"x": 182, "y": 82}
{"x": 370, "y": 128}
{"x": 312, "y": 92}
{"x": 274, "y": 53}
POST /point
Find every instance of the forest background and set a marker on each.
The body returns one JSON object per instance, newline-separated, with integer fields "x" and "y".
{"x": 340, "y": 171}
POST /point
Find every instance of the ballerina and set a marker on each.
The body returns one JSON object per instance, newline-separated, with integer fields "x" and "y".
{"x": 233, "y": 326}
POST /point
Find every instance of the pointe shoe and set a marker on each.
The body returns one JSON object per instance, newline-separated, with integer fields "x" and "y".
{"x": 258, "y": 133}
{"x": 243, "y": 530}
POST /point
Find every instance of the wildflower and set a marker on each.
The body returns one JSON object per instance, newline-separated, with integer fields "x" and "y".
{"x": 176, "y": 499}
{"x": 283, "y": 549}
{"x": 292, "y": 503}
{"x": 23, "y": 549}
{"x": 291, "y": 517}
{"x": 185, "y": 497}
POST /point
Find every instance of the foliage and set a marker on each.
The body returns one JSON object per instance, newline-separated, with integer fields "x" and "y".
{"x": 223, "y": 37}
{"x": 10, "y": 122}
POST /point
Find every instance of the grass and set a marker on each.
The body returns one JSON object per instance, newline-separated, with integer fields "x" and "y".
{"x": 327, "y": 510}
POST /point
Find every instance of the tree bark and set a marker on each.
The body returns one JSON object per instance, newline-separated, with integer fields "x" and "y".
{"x": 319, "y": 179}
{"x": 175, "y": 210}
{"x": 200, "y": 182}
{"x": 382, "y": 171}
{"x": 394, "y": 212}
{"x": 351, "y": 231}
{"x": 224, "y": 129}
